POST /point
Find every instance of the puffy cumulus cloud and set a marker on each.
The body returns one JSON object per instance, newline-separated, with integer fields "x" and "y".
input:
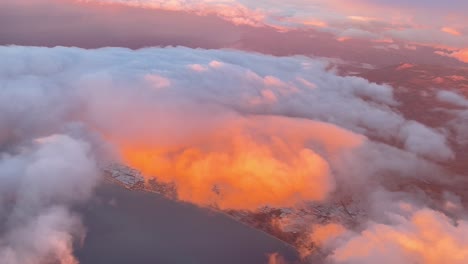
{"x": 416, "y": 140}
{"x": 251, "y": 162}
{"x": 459, "y": 124}
{"x": 232, "y": 129}
{"x": 39, "y": 183}
{"x": 398, "y": 227}
{"x": 452, "y": 98}
{"x": 406, "y": 240}
{"x": 460, "y": 127}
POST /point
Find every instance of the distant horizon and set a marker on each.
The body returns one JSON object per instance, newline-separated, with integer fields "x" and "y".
{"x": 133, "y": 27}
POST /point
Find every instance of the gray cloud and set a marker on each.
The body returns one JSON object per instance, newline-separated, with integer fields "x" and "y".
{"x": 39, "y": 184}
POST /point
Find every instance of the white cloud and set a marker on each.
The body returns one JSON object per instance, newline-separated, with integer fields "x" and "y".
{"x": 426, "y": 142}
{"x": 460, "y": 127}
{"x": 452, "y": 98}
{"x": 459, "y": 124}
{"x": 39, "y": 184}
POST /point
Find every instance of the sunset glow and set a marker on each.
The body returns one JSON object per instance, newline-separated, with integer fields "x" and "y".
{"x": 254, "y": 162}
{"x": 233, "y": 131}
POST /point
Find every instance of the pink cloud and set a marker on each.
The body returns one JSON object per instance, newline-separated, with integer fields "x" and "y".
{"x": 461, "y": 55}
{"x": 229, "y": 10}
{"x": 122, "y": 25}
{"x": 451, "y": 31}
{"x": 197, "y": 67}
{"x": 408, "y": 241}
{"x": 357, "y": 19}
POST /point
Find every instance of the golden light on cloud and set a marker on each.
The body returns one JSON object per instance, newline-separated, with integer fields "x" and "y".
{"x": 307, "y": 119}
{"x": 361, "y": 18}
{"x": 462, "y": 55}
{"x": 316, "y": 23}
{"x": 276, "y": 258}
{"x": 409, "y": 242}
{"x": 246, "y": 163}
{"x": 323, "y": 234}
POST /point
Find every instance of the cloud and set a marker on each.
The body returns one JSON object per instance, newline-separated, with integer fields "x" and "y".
{"x": 362, "y": 19}
{"x": 452, "y": 98}
{"x": 49, "y": 237}
{"x": 322, "y": 235}
{"x": 460, "y": 54}
{"x": 233, "y": 11}
{"x": 416, "y": 136}
{"x": 40, "y": 183}
{"x": 135, "y": 27}
{"x": 183, "y": 125}
{"x": 460, "y": 127}
{"x": 407, "y": 241}
{"x": 276, "y": 258}
{"x": 230, "y": 129}
{"x": 451, "y": 31}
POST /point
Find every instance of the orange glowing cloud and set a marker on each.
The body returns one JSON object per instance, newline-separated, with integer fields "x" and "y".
{"x": 428, "y": 237}
{"x": 461, "y": 55}
{"x": 244, "y": 163}
{"x": 405, "y": 66}
{"x": 361, "y": 18}
{"x": 276, "y": 258}
{"x": 316, "y": 23}
{"x": 343, "y": 39}
{"x": 323, "y": 234}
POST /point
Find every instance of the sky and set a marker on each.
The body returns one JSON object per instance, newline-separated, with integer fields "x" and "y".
{"x": 364, "y": 31}
{"x": 241, "y": 105}
{"x": 434, "y": 23}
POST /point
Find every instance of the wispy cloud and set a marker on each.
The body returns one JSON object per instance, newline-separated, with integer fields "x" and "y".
{"x": 376, "y": 20}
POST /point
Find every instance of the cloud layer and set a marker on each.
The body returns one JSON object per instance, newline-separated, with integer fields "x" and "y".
{"x": 95, "y": 24}
{"x": 362, "y": 19}
{"x": 230, "y": 129}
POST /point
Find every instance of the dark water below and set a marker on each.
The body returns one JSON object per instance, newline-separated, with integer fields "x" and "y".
{"x": 142, "y": 228}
